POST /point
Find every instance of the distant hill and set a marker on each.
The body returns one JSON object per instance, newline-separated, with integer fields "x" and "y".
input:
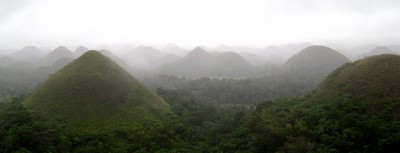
{"x": 167, "y": 59}
{"x": 395, "y": 48}
{"x": 279, "y": 54}
{"x": 57, "y": 54}
{"x": 114, "y": 57}
{"x": 6, "y": 60}
{"x": 356, "y": 52}
{"x": 371, "y": 78}
{"x": 356, "y": 109}
{"x": 143, "y": 57}
{"x": 200, "y": 63}
{"x": 80, "y": 51}
{"x": 60, "y": 64}
{"x": 378, "y": 51}
{"x": 174, "y": 49}
{"x": 254, "y": 59}
{"x": 197, "y": 55}
{"x": 314, "y": 62}
{"x": 94, "y": 93}
{"x": 28, "y": 54}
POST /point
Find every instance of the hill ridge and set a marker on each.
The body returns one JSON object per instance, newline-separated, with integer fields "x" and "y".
{"x": 95, "y": 93}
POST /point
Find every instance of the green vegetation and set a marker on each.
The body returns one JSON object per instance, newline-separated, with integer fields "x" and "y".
{"x": 200, "y": 63}
{"x": 372, "y": 78}
{"x": 314, "y": 63}
{"x": 246, "y": 92}
{"x": 94, "y": 93}
{"x": 354, "y": 110}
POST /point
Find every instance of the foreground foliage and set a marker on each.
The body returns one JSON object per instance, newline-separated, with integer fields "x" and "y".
{"x": 335, "y": 124}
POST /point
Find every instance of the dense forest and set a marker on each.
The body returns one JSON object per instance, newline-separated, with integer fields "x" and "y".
{"x": 293, "y": 125}
{"x": 352, "y": 110}
{"x": 191, "y": 76}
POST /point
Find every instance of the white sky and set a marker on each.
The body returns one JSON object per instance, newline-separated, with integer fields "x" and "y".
{"x": 197, "y": 22}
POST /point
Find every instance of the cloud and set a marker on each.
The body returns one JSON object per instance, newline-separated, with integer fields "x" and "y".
{"x": 192, "y": 22}
{"x": 9, "y": 8}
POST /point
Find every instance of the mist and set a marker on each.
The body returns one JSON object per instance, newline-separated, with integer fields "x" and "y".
{"x": 199, "y": 76}
{"x": 254, "y": 23}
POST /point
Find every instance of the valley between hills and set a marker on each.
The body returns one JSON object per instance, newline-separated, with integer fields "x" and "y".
{"x": 317, "y": 100}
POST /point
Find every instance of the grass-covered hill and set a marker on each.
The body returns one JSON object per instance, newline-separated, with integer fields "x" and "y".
{"x": 315, "y": 59}
{"x": 80, "y": 51}
{"x": 378, "y": 50}
{"x": 56, "y": 54}
{"x": 200, "y": 63}
{"x": 94, "y": 93}
{"x": 312, "y": 64}
{"x": 374, "y": 80}
{"x": 27, "y": 52}
{"x": 356, "y": 109}
{"x": 370, "y": 78}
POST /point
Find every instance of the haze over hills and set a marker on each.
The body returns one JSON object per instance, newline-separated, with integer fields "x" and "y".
{"x": 371, "y": 78}
{"x": 80, "y": 51}
{"x": 57, "y": 54}
{"x": 175, "y": 49}
{"x": 167, "y": 59}
{"x": 143, "y": 57}
{"x": 190, "y": 76}
{"x": 378, "y": 50}
{"x": 114, "y": 57}
{"x": 355, "y": 52}
{"x": 6, "y": 61}
{"x": 28, "y": 52}
{"x": 200, "y": 63}
{"x": 358, "y": 103}
{"x": 95, "y": 93}
{"x": 395, "y": 48}
{"x": 255, "y": 59}
{"x": 314, "y": 61}
{"x": 278, "y": 54}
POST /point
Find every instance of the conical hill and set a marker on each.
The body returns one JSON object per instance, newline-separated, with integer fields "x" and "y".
{"x": 95, "y": 93}
{"x": 371, "y": 77}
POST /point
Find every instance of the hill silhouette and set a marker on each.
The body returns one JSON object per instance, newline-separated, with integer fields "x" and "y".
{"x": 378, "y": 51}
{"x": 57, "y": 54}
{"x": 371, "y": 78}
{"x": 314, "y": 61}
{"x": 197, "y": 54}
{"x": 94, "y": 93}
{"x": 27, "y": 52}
{"x": 80, "y": 51}
{"x": 356, "y": 109}
{"x": 6, "y": 60}
{"x": 200, "y": 63}
{"x": 174, "y": 49}
{"x": 114, "y": 57}
{"x": 143, "y": 56}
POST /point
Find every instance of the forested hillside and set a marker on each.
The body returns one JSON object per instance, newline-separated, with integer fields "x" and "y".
{"x": 345, "y": 113}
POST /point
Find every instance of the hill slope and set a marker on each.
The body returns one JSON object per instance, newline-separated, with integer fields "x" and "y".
{"x": 95, "y": 93}
{"x": 316, "y": 58}
{"x": 356, "y": 109}
{"x": 314, "y": 61}
{"x": 378, "y": 51}
{"x": 370, "y": 78}
{"x": 57, "y": 54}
{"x": 27, "y": 52}
{"x": 200, "y": 63}
{"x": 80, "y": 51}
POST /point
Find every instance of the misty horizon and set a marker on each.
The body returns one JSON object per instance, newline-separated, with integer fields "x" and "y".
{"x": 199, "y": 76}
{"x": 256, "y": 23}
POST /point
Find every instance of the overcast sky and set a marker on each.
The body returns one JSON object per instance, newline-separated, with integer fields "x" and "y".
{"x": 198, "y": 22}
